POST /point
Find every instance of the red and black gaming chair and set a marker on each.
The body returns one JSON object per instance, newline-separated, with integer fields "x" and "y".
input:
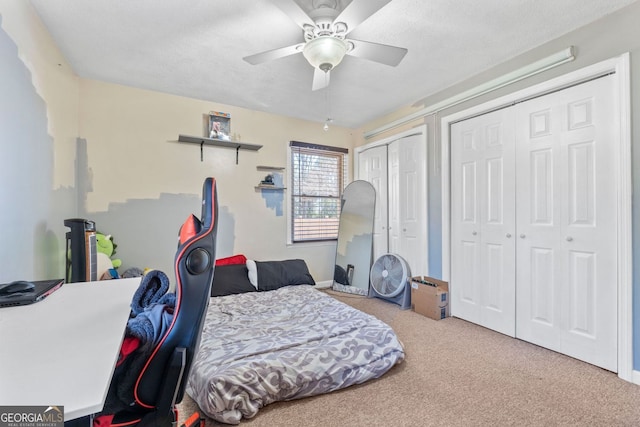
{"x": 162, "y": 380}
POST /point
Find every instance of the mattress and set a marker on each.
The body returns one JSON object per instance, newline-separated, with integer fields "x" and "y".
{"x": 262, "y": 347}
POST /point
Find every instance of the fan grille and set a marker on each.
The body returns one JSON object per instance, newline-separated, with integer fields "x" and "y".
{"x": 389, "y": 275}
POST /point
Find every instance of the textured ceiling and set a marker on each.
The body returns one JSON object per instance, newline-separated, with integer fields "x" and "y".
{"x": 195, "y": 48}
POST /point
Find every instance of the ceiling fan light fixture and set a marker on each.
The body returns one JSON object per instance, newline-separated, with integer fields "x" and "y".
{"x": 325, "y": 52}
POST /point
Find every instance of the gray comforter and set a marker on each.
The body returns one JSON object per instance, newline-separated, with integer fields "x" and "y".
{"x": 261, "y": 347}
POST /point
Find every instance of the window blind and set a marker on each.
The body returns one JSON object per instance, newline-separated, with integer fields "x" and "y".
{"x": 318, "y": 179}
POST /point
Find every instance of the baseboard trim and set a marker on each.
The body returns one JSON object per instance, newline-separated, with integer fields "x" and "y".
{"x": 635, "y": 377}
{"x": 326, "y": 284}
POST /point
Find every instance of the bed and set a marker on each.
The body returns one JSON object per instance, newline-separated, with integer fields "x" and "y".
{"x": 293, "y": 342}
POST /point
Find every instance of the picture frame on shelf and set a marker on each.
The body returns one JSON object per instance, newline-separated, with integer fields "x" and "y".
{"x": 217, "y": 125}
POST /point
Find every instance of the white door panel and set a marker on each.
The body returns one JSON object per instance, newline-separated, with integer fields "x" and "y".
{"x": 412, "y": 221}
{"x": 372, "y": 167}
{"x": 397, "y": 171}
{"x": 465, "y": 275}
{"x": 566, "y": 282}
{"x": 393, "y": 159}
{"x": 469, "y": 282}
{"x": 482, "y": 218}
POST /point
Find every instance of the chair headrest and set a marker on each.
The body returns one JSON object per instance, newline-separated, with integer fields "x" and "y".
{"x": 191, "y": 227}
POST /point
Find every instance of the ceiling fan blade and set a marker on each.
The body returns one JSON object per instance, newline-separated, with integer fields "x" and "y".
{"x": 320, "y": 79}
{"x": 293, "y": 11}
{"x": 270, "y": 55}
{"x": 382, "y": 53}
{"x": 359, "y": 10}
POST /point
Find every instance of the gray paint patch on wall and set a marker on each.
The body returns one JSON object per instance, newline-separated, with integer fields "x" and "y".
{"x": 63, "y": 206}
{"x": 26, "y": 172}
{"x": 146, "y": 230}
{"x": 226, "y": 233}
{"x": 274, "y": 199}
{"x": 84, "y": 174}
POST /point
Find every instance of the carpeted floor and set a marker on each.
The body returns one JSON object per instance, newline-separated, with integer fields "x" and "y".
{"x": 460, "y": 374}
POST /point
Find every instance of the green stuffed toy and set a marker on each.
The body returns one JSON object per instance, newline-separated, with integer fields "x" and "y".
{"x": 106, "y": 246}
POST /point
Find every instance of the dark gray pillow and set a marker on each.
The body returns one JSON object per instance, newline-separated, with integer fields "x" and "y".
{"x": 276, "y": 274}
{"x": 231, "y": 279}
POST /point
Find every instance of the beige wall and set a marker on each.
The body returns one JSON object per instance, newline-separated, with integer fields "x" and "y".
{"x": 133, "y": 150}
{"x": 133, "y": 155}
{"x": 133, "y": 170}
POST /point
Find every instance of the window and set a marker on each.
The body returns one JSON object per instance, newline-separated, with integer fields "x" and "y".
{"x": 318, "y": 175}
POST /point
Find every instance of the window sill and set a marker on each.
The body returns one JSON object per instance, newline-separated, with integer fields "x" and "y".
{"x": 312, "y": 244}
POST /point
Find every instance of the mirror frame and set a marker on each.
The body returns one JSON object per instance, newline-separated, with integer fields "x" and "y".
{"x": 357, "y": 212}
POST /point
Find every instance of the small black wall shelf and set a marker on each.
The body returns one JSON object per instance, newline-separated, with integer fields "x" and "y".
{"x": 275, "y": 169}
{"x": 269, "y": 187}
{"x": 269, "y": 168}
{"x": 218, "y": 143}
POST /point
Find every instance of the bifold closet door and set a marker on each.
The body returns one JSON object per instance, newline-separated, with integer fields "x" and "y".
{"x": 372, "y": 167}
{"x": 567, "y": 222}
{"x": 534, "y": 221}
{"x": 407, "y": 164}
{"x": 398, "y": 172}
{"x": 483, "y": 220}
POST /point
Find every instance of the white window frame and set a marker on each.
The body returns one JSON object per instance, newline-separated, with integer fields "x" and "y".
{"x": 289, "y": 199}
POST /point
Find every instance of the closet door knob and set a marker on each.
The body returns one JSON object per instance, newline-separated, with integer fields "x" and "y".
{"x": 508, "y": 235}
{"x": 474, "y": 233}
{"x": 404, "y": 229}
{"x": 522, "y": 236}
{"x": 569, "y": 239}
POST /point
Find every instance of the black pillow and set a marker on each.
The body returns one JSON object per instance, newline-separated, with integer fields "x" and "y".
{"x": 276, "y": 274}
{"x": 231, "y": 279}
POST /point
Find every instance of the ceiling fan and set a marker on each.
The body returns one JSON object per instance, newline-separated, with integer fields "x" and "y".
{"x": 325, "y": 28}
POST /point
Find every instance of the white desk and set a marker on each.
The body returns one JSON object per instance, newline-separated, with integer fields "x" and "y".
{"x": 63, "y": 349}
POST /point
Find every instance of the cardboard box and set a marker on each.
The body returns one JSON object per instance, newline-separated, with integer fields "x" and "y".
{"x": 430, "y": 297}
